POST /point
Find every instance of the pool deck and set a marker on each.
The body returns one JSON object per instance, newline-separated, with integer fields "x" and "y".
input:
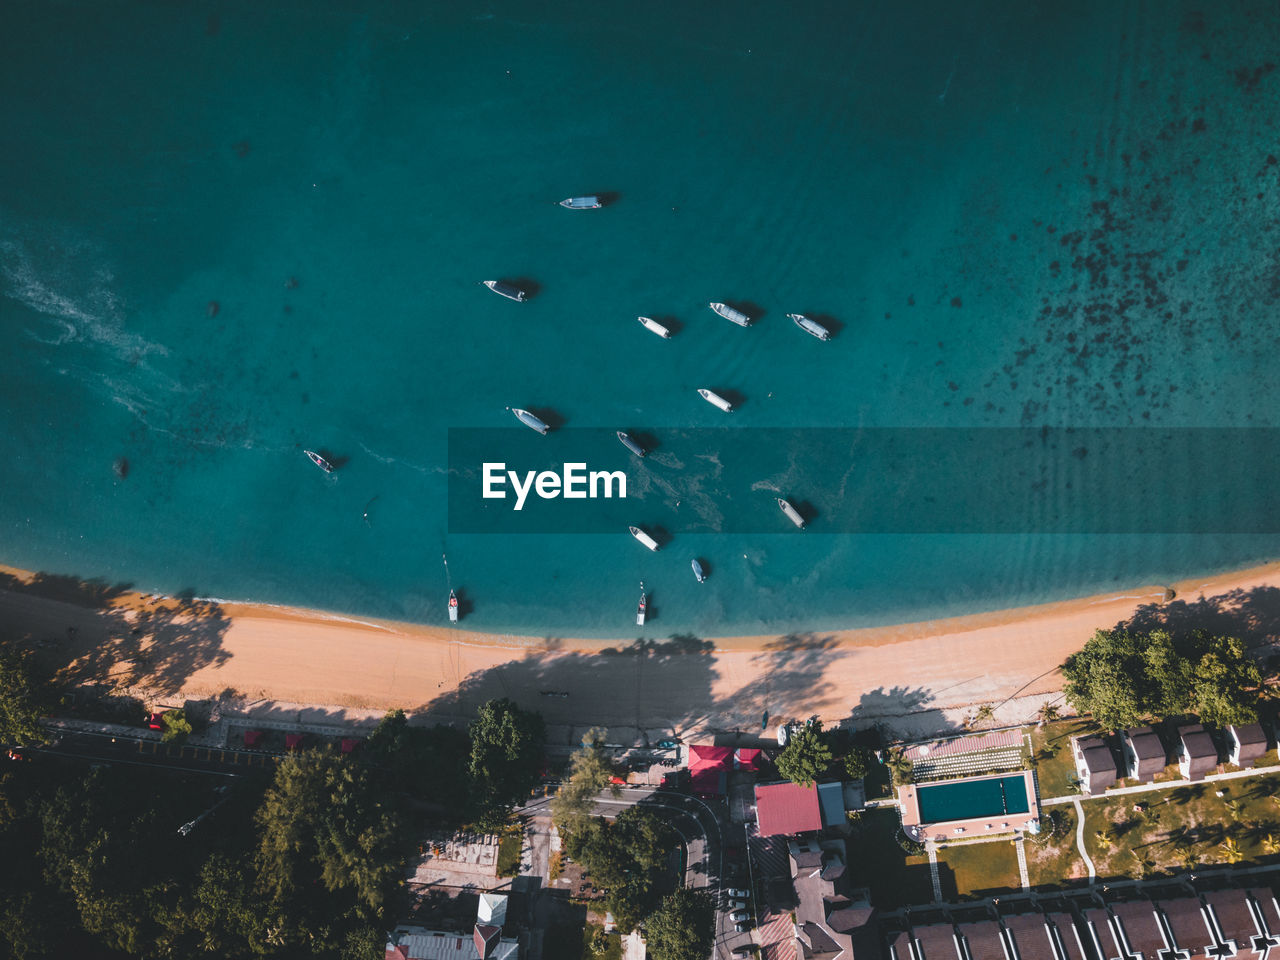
{"x": 945, "y": 830}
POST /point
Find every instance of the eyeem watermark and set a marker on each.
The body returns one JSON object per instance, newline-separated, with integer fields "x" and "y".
{"x": 573, "y": 482}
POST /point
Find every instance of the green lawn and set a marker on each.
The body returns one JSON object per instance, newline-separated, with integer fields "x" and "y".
{"x": 1053, "y": 862}
{"x": 1185, "y": 826}
{"x": 613, "y": 951}
{"x": 509, "y": 846}
{"x": 978, "y": 869}
{"x": 876, "y": 861}
{"x": 1051, "y": 752}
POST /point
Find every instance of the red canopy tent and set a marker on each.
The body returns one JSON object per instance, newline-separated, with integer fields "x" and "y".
{"x": 349, "y": 744}
{"x": 708, "y": 767}
{"x": 252, "y": 738}
{"x": 292, "y": 741}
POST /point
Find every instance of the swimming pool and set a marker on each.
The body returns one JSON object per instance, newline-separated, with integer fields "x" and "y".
{"x": 972, "y": 799}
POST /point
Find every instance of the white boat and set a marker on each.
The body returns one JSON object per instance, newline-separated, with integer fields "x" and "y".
{"x": 715, "y": 399}
{"x": 655, "y": 327}
{"x": 504, "y": 289}
{"x": 630, "y": 444}
{"x": 730, "y": 314}
{"x": 453, "y": 607}
{"x": 581, "y": 203}
{"x": 697, "y": 571}
{"x": 792, "y": 513}
{"x": 810, "y": 326}
{"x": 642, "y": 609}
{"x": 319, "y": 461}
{"x": 529, "y": 420}
{"x": 644, "y": 538}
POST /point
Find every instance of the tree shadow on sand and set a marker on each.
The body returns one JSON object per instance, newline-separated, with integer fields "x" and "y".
{"x": 646, "y": 685}
{"x": 1252, "y": 615}
{"x": 97, "y": 634}
{"x": 904, "y": 710}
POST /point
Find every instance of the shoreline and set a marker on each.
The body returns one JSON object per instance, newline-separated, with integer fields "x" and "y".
{"x": 170, "y": 647}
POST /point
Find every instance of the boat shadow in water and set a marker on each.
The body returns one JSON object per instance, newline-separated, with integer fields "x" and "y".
{"x": 752, "y": 309}
{"x": 335, "y": 460}
{"x": 834, "y": 326}
{"x": 808, "y": 512}
{"x": 530, "y": 287}
{"x": 465, "y": 606}
{"x": 608, "y": 198}
{"x": 736, "y": 397}
{"x": 648, "y": 441}
{"x": 673, "y": 325}
{"x": 548, "y": 416}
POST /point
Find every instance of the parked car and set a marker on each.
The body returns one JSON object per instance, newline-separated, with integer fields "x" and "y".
{"x": 735, "y": 894}
{"x": 737, "y": 905}
{"x": 742, "y": 927}
{"x": 746, "y": 950}
{"x": 738, "y": 916}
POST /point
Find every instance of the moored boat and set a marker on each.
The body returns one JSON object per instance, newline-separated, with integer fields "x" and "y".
{"x": 812, "y": 327}
{"x": 715, "y": 399}
{"x": 453, "y": 607}
{"x": 654, "y": 326}
{"x": 730, "y": 314}
{"x": 529, "y": 420}
{"x": 319, "y": 461}
{"x": 630, "y": 444}
{"x": 504, "y": 289}
{"x": 582, "y": 203}
{"x": 642, "y": 609}
{"x": 697, "y": 571}
{"x": 792, "y": 513}
{"x": 644, "y": 538}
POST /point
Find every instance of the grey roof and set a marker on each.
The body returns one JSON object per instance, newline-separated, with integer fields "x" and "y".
{"x": 1187, "y": 923}
{"x": 1031, "y": 936}
{"x": 1146, "y": 743}
{"x": 936, "y": 942}
{"x": 1230, "y": 908}
{"x": 1140, "y": 926}
{"x": 1249, "y": 733}
{"x": 1199, "y": 748}
{"x": 1097, "y": 755}
{"x": 984, "y": 940}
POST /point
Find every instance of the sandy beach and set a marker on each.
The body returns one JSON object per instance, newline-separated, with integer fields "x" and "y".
{"x": 173, "y": 647}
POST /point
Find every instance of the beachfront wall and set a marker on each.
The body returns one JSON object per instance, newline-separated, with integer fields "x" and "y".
{"x": 927, "y": 821}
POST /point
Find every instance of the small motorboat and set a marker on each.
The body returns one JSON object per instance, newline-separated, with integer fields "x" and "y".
{"x": 810, "y": 326}
{"x": 715, "y": 399}
{"x": 697, "y": 571}
{"x": 644, "y": 538}
{"x": 730, "y": 314}
{"x": 792, "y": 513}
{"x": 453, "y": 607}
{"x": 630, "y": 444}
{"x": 581, "y": 203}
{"x": 654, "y": 326}
{"x": 529, "y": 420}
{"x": 642, "y": 608}
{"x": 319, "y": 461}
{"x": 508, "y": 290}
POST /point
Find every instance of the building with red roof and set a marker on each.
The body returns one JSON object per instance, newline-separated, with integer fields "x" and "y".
{"x": 785, "y": 808}
{"x": 748, "y": 758}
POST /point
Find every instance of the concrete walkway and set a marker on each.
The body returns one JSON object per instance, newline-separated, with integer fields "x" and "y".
{"x": 1093, "y": 874}
{"x": 932, "y": 851}
{"x": 1165, "y": 785}
{"x": 1020, "y": 848}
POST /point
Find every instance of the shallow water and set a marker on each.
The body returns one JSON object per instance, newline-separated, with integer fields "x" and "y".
{"x": 1011, "y": 217}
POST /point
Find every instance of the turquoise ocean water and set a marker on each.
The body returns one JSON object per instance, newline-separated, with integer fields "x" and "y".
{"x": 1013, "y": 214}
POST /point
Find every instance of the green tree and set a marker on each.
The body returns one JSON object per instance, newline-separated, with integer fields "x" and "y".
{"x": 176, "y": 726}
{"x": 807, "y": 755}
{"x": 1123, "y": 679}
{"x": 857, "y": 763}
{"x": 430, "y": 764}
{"x": 682, "y": 927}
{"x": 221, "y": 915}
{"x": 322, "y": 825}
{"x": 506, "y": 755}
{"x": 22, "y": 702}
{"x": 628, "y": 857}
{"x": 1225, "y": 684}
{"x": 590, "y": 773}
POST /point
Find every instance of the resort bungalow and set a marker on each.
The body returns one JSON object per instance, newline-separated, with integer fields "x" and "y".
{"x": 1143, "y": 754}
{"x": 1197, "y": 756}
{"x": 1245, "y": 743}
{"x": 1095, "y": 766}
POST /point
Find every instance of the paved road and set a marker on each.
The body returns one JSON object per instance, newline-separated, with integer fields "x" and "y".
{"x": 103, "y": 748}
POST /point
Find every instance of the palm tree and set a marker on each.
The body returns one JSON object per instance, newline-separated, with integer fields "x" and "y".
{"x": 1270, "y": 843}
{"x": 1231, "y": 850}
{"x": 1046, "y": 714}
{"x": 1106, "y": 837}
{"x": 1142, "y": 863}
{"x": 984, "y": 714}
{"x": 1188, "y": 857}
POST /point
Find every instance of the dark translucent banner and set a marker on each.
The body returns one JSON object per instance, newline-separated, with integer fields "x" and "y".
{"x": 881, "y": 480}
